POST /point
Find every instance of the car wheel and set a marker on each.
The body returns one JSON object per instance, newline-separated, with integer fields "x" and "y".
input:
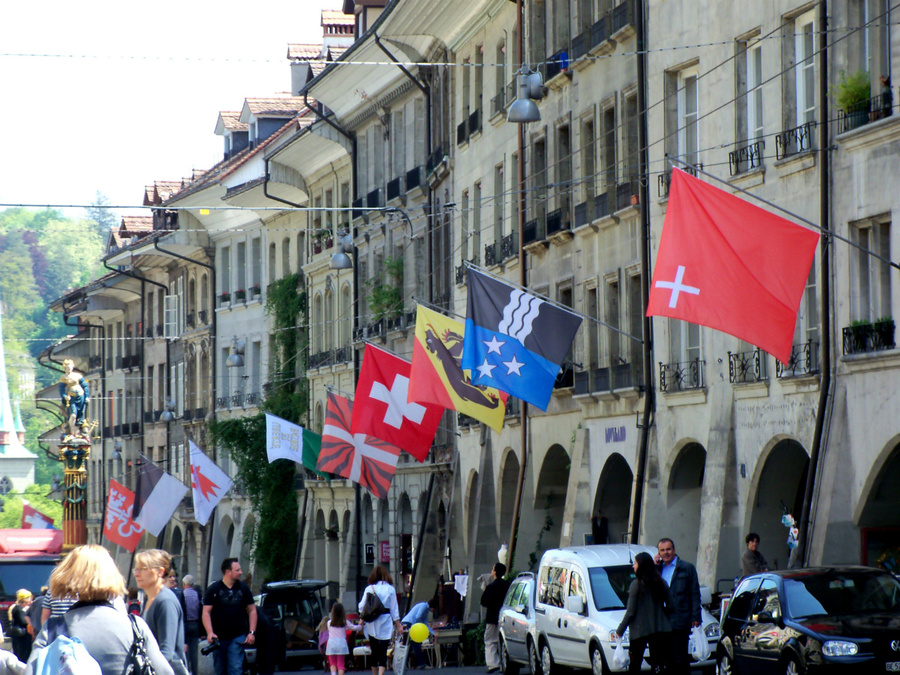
{"x": 534, "y": 661}
{"x": 598, "y": 663}
{"x": 725, "y": 667}
{"x": 508, "y": 667}
{"x": 546, "y": 660}
{"x": 792, "y": 666}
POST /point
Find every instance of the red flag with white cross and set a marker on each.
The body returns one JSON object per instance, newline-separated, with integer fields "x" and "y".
{"x": 727, "y": 264}
{"x": 382, "y": 409}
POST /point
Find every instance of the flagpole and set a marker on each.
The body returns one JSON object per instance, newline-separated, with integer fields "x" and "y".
{"x": 549, "y": 301}
{"x": 823, "y": 230}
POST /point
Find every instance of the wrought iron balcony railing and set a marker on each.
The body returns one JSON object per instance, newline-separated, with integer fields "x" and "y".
{"x": 804, "y": 360}
{"x": 599, "y": 31}
{"x": 509, "y": 246}
{"x": 681, "y": 376}
{"x": 862, "y": 336}
{"x": 490, "y": 254}
{"x": 746, "y": 158}
{"x": 747, "y": 366}
{"x": 664, "y": 180}
{"x": 794, "y": 141}
{"x": 875, "y": 108}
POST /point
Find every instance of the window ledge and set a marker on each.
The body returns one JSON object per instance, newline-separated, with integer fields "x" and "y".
{"x": 796, "y": 163}
{"x": 688, "y": 397}
{"x": 868, "y": 361}
{"x": 751, "y": 178}
{"x": 878, "y": 132}
{"x": 744, "y": 390}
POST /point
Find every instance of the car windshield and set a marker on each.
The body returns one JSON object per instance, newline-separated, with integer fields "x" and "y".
{"x": 609, "y": 586}
{"x": 841, "y": 593}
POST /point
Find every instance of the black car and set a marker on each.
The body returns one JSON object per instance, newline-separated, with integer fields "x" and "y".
{"x": 812, "y": 620}
{"x": 295, "y": 609}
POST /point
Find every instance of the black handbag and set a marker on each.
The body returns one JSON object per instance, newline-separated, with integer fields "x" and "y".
{"x": 138, "y": 662}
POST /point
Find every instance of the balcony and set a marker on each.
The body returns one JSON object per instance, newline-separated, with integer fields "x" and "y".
{"x": 252, "y": 398}
{"x": 746, "y": 158}
{"x": 189, "y": 319}
{"x": 580, "y": 45}
{"x": 131, "y": 361}
{"x": 664, "y": 181}
{"x": 460, "y": 275}
{"x": 490, "y": 255}
{"x": 556, "y": 64}
{"x": 622, "y": 20}
{"x": 148, "y": 417}
{"x": 200, "y": 414}
{"x": 343, "y": 355}
{"x": 224, "y": 299}
{"x": 395, "y": 189}
{"x": 204, "y": 317}
{"x": 160, "y": 330}
{"x": 860, "y": 114}
{"x": 462, "y": 131}
{"x": 358, "y": 209}
{"x": 509, "y": 246}
{"x": 794, "y": 141}
{"x": 95, "y": 362}
{"x": 626, "y": 193}
{"x": 565, "y": 378}
{"x": 804, "y": 361}
{"x": 862, "y": 337}
{"x": 559, "y": 221}
{"x": 221, "y": 402}
{"x": 599, "y": 32}
{"x": 415, "y": 178}
{"x": 747, "y": 367}
{"x": 534, "y": 231}
{"x": 601, "y": 205}
{"x": 498, "y": 104}
{"x": 513, "y": 407}
{"x": 475, "y": 122}
{"x": 188, "y": 415}
{"x": 375, "y": 199}
{"x": 684, "y": 376}
{"x": 434, "y": 160}
{"x": 581, "y": 215}
{"x": 237, "y": 400}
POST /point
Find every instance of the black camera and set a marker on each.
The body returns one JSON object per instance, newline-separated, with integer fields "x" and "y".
{"x": 211, "y": 647}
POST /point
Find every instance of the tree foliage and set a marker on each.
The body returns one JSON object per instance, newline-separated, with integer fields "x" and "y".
{"x": 101, "y": 216}
{"x": 270, "y": 487}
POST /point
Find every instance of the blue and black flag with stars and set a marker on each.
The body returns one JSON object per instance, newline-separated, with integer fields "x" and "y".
{"x": 515, "y": 341}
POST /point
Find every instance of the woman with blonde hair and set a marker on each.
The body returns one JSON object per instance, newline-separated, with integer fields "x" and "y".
{"x": 19, "y": 624}
{"x": 89, "y": 574}
{"x": 162, "y": 610}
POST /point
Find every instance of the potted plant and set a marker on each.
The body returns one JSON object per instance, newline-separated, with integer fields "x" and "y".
{"x": 852, "y": 95}
{"x": 240, "y": 294}
{"x": 255, "y": 289}
{"x": 225, "y": 297}
{"x": 860, "y": 332}
{"x": 883, "y": 331}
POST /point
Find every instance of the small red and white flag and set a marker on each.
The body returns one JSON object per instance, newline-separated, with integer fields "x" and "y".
{"x": 363, "y": 459}
{"x": 382, "y": 408}
{"x": 208, "y": 482}
{"x": 727, "y": 264}
{"x": 32, "y": 519}
{"x": 118, "y": 526}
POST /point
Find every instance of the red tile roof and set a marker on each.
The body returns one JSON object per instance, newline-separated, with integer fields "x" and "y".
{"x": 335, "y": 17}
{"x": 232, "y": 120}
{"x": 304, "y": 52}
{"x": 282, "y": 106}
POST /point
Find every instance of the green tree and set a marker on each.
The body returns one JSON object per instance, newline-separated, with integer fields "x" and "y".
{"x": 270, "y": 487}
{"x": 101, "y": 216}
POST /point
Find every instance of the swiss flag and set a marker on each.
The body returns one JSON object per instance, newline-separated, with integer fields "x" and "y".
{"x": 729, "y": 265}
{"x": 382, "y": 409}
{"x": 34, "y": 519}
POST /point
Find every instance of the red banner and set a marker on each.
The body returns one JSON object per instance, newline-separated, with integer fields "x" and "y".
{"x": 119, "y": 528}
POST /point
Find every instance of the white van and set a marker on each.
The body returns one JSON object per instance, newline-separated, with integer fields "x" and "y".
{"x": 581, "y": 596}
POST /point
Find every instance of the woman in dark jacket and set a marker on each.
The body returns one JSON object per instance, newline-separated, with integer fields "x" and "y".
{"x": 649, "y": 604}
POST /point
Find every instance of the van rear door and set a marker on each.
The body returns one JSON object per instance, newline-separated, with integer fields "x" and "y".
{"x": 553, "y": 588}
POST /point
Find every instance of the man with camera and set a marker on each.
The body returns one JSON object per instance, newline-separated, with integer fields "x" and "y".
{"x": 229, "y": 617}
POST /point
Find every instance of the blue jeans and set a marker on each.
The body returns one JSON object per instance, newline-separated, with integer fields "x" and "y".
{"x": 228, "y": 659}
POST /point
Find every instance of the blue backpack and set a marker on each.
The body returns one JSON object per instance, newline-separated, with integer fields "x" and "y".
{"x": 63, "y": 655}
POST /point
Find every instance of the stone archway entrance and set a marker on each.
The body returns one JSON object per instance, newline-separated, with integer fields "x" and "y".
{"x": 780, "y": 488}
{"x": 683, "y": 503}
{"x": 879, "y": 522}
{"x": 613, "y": 496}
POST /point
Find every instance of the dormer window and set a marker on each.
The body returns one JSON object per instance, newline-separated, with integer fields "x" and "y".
{"x": 254, "y": 132}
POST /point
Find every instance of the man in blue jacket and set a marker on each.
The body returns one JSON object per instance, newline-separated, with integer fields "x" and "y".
{"x": 685, "y": 586}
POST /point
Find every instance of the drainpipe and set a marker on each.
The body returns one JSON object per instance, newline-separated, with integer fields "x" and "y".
{"x": 801, "y": 554}
{"x": 646, "y": 325}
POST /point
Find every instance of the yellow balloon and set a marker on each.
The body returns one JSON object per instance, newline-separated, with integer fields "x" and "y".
{"x": 418, "y": 632}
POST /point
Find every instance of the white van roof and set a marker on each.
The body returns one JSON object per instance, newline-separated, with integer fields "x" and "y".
{"x": 601, "y": 555}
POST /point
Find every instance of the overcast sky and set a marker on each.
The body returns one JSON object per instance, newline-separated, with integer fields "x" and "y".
{"x": 119, "y": 94}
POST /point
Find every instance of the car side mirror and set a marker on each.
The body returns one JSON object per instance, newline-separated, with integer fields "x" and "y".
{"x": 575, "y": 604}
{"x": 765, "y": 617}
{"x": 520, "y": 608}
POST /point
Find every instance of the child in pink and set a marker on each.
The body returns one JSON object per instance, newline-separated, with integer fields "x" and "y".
{"x": 337, "y": 647}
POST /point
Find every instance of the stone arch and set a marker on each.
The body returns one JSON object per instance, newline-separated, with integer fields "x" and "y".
{"x": 878, "y": 511}
{"x": 507, "y": 488}
{"x": 550, "y": 495}
{"x": 316, "y": 334}
{"x": 613, "y": 496}
{"x": 469, "y": 513}
{"x": 683, "y": 496}
{"x": 779, "y": 481}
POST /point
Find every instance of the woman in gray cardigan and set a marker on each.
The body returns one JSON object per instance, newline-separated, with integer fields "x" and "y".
{"x": 649, "y": 604}
{"x": 162, "y": 609}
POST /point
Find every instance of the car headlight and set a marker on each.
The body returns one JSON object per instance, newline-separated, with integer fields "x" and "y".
{"x": 712, "y": 630}
{"x": 839, "y": 648}
{"x": 613, "y": 637}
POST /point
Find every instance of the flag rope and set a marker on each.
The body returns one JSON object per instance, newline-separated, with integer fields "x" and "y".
{"x": 438, "y": 308}
{"x": 550, "y": 301}
{"x": 818, "y": 228}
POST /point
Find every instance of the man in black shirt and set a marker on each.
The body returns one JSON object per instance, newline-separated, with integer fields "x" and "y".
{"x": 492, "y": 600}
{"x": 228, "y": 611}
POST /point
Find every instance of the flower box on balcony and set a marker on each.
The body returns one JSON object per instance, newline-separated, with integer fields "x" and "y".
{"x": 240, "y": 294}
{"x": 224, "y": 298}
{"x": 255, "y": 289}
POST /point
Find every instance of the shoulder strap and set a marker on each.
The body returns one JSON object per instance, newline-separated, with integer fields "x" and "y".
{"x": 56, "y": 626}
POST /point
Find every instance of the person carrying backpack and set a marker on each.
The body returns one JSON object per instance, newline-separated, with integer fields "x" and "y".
{"x": 380, "y": 622}
{"x": 90, "y": 574}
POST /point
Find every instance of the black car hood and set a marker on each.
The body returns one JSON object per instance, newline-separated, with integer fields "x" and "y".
{"x": 851, "y": 626}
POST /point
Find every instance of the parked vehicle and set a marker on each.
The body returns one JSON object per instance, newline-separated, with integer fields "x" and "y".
{"x": 27, "y": 557}
{"x": 518, "y": 637}
{"x": 812, "y": 620}
{"x": 581, "y": 595}
{"x": 296, "y": 607}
